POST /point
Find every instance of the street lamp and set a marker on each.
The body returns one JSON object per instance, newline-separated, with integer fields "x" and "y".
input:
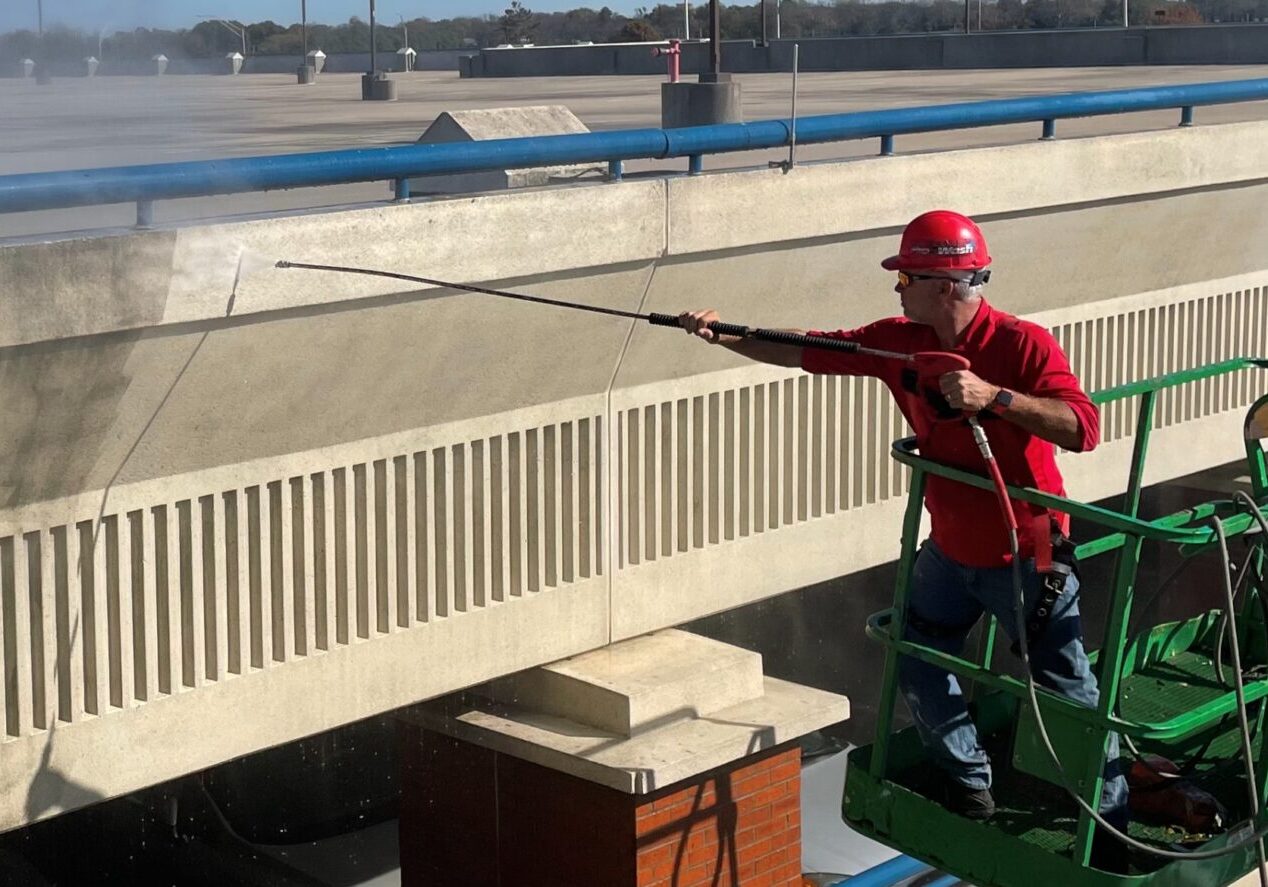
{"x": 686, "y": 19}
{"x": 235, "y": 28}
{"x": 39, "y": 14}
{"x": 373, "y": 66}
{"x": 715, "y": 40}
{"x": 303, "y": 29}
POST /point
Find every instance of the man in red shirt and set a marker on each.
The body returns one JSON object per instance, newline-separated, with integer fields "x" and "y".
{"x": 1020, "y": 385}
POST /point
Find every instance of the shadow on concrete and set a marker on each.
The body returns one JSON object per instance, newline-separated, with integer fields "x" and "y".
{"x": 50, "y": 789}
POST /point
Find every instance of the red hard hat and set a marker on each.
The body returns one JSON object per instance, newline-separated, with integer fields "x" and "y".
{"x": 940, "y": 240}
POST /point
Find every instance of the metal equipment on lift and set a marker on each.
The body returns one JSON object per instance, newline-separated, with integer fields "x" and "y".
{"x": 1167, "y": 689}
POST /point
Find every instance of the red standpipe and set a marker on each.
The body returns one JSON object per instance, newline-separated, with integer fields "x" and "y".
{"x": 674, "y": 54}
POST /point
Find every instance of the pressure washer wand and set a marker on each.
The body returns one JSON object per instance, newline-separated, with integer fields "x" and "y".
{"x": 783, "y": 337}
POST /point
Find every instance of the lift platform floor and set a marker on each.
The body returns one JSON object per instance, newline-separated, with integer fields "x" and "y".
{"x": 1027, "y": 842}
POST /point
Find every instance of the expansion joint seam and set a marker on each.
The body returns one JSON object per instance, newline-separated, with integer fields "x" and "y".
{"x": 613, "y": 469}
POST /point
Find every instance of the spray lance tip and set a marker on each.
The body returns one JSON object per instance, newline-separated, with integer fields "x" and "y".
{"x": 282, "y": 263}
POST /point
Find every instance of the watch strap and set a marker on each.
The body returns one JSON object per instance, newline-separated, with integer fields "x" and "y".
{"x": 1002, "y": 402}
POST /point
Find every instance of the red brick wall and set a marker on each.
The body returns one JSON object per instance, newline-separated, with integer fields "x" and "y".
{"x": 472, "y": 816}
{"x": 741, "y": 822}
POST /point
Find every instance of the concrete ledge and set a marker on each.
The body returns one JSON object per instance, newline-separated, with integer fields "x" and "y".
{"x": 97, "y": 284}
{"x": 743, "y": 209}
{"x": 91, "y": 285}
{"x": 649, "y": 760}
{"x": 84, "y": 286}
{"x": 655, "y": 678}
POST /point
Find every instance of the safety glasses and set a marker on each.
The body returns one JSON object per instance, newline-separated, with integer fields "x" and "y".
{"x": 905, "y": 279}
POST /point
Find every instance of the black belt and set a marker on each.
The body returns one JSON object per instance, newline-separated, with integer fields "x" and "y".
{"x": 1064, "y": 563}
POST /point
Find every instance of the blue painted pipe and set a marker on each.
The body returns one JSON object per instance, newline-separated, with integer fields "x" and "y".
{"x": 165, "y": 181}
{"x": 886, "y": 874}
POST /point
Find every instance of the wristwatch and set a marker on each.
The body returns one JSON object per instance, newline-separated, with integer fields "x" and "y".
{"x": 1003, "y": 400}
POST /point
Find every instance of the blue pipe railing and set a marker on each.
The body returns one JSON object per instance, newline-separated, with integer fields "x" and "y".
{"x": 145, "y": 184}
{"x": 895, "y": 871}
{"x": 886, "y": 874}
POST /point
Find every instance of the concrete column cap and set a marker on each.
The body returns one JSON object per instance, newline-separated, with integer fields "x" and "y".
{"x": 525, "y": 719}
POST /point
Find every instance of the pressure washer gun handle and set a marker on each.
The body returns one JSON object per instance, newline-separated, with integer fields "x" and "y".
{"x": 930, "y": 365}
{"x": 783, "y": 337}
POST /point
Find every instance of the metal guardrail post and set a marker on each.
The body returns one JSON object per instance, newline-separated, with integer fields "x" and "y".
{"x": 695, "y": 164}
{"x": 616, "y": 170}
{"x": 887, "y": 146}
{"x": 145, "y": 213}
{"x": 1186, "y": 115}
{"x": 1049, "y": 131}
{"x": 402, "y": 190}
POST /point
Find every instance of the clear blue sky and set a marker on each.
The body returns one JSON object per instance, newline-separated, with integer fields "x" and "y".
{"x": 89, "y": 15}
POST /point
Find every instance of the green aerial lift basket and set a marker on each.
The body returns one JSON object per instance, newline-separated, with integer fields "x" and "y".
{"x": 1161, "y": 688}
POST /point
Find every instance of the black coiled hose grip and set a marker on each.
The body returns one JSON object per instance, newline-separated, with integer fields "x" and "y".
{"x": 782, "y": 337}
{"x": 829, "y": 343}
{"x": 663, "y": 319}
{"x": 722, "y": 329}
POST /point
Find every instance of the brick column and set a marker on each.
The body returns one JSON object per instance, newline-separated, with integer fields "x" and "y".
{"x": 471, "y": 815}
{"x": 737, "y": 825}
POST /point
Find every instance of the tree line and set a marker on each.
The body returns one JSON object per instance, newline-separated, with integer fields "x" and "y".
{"x": 520, "y": 24}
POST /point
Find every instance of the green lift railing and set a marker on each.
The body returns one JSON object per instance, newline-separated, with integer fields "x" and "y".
{"x": 1163, "y": 688}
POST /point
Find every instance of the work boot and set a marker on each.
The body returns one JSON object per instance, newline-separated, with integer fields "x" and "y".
{"x": 972, "y": 803}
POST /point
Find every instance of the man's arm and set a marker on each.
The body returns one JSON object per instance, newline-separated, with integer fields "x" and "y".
{"x": 1049, "y": 418}
{"x": 696, "y": 323}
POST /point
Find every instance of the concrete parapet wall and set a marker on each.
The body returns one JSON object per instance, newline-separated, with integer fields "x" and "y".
{"x": 161, "y": 278}
{"x": 317, "y": 487}
{"x": 1187, "y": 45}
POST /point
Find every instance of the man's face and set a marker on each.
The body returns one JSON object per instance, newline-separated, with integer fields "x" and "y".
{"x": 923, "y": 297}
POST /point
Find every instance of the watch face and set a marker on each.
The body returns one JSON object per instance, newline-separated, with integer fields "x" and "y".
{"x": 1004, "y": 399}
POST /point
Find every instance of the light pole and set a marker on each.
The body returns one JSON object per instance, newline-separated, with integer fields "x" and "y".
{"x": 777, "y": 28}
{"x": 39, "y": 15}
{"x": 303, "y": 29}
{"x": 405, "y": 62}
{"x": 715, "y": 39}
{"x": 686, "y": 19}
{"x": 373, "y": 66}
{"x": 238, "y": 30}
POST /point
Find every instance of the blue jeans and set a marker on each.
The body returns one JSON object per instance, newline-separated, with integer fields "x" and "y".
{"x": 952, "y": 598}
